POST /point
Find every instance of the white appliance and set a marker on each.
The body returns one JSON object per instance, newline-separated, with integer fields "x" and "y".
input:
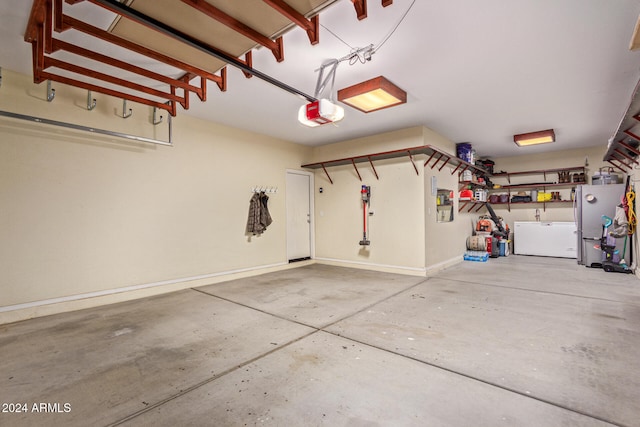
{"x": 591, "y": 202}
{"x": 553, "y": 239}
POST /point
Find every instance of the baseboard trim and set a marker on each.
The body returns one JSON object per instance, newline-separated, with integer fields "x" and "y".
{"x": 24, "y": 311}
{"x": 19, "y": 312}
{"x": 413, "y": 271}
{"x": 444, "y": 264}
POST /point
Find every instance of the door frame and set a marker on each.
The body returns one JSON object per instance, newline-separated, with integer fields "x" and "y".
{"x": 312, "y": 222}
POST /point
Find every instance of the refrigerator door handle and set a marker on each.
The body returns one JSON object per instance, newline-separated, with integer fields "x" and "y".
{"x": 577, "y": 215}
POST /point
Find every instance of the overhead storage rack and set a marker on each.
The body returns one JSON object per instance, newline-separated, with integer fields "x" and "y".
{"x": 622, "y": 151}
{"x": 437, "y": 158}
{"x": 168, "y": 49}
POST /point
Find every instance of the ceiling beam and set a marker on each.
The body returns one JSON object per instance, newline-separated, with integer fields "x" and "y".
{"x": 248, "y": 60}
{"x": 57, "y": 63}
{"x": 361, "y": 8}
{"x": 90, "y": 54}
{"x": 154, "y": 24}
{"x": 47, "y": 16}
{"x": 119, "y": 41}
{"x": 39, "y": 75}
{"x": 211, "y": 11}
{"x": 311, "y": 26}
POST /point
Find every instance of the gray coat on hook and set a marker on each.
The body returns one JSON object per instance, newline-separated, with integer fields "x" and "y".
{"x": 259, "y": 216}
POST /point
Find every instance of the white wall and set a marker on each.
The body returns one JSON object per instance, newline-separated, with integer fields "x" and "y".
{"x": 405, "y": 236}
{"x": 84, "y": 218}
{"x": 445, "y": 242}
{"x": 83, "y": 215}
{"x": 397, "y": 226}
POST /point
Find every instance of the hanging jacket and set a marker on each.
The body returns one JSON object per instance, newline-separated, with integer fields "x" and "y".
{"x": 259, "y": 218}
{"x": 265, "y": 216}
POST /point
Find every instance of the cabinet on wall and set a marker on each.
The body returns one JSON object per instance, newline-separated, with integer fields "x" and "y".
{"x": 541, "y": 181}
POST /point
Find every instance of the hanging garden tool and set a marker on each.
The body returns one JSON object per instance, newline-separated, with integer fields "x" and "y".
{"x": 365, "y": 192}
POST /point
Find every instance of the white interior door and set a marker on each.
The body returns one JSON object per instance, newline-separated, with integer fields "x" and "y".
{"x": 298, "y": 215}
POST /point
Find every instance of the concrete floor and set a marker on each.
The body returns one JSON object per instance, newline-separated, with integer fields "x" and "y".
{"x": 516, "y": 341}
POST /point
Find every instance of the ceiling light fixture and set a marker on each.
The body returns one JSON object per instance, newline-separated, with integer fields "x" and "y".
{"x": 373, "y": 95}
{"x": 534, "y": 138}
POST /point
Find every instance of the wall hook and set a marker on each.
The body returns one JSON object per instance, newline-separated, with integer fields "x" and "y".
{"x": 126, "y": 115}
{"x": 91, "y": 102}
{"x": 51, "y": 93}
{"x": 0, "y": 76}
{"x": 155, "y": 120}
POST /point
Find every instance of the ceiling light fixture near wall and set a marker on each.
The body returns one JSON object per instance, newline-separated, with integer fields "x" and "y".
{"x": 534, "y": 138}
{"x": 372, "y": 95}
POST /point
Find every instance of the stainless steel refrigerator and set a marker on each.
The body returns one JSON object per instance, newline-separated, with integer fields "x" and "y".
{"x": 591, "y": 202}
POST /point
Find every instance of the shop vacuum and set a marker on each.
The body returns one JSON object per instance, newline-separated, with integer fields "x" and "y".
{"x": 611, "y": 260}
{"x": 365, "y": 192}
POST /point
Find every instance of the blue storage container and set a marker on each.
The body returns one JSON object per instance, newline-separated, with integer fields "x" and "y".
{"x": 464, "y": 150}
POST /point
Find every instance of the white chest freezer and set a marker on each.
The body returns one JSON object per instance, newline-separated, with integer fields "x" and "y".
{"x": 553, "y": 239}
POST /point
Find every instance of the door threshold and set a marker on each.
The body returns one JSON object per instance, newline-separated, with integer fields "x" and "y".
{"x": 299, "y": 259}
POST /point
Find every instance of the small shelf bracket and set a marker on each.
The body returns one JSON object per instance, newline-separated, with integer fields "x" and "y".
{"x": 445, "y": 163}
{"x": 457, "y": 167}
{"x": 429, "y": 159}
{"x": 437, "y": 160}
{"x": 91, "y": 102}
{"x": 353, "y": 162}
{"x": 125, "y": 114}
{"x": 156, "y": 121}
{"x": 413, "y": 163}
{"x": 51, "y": 93}
{"x": 374, "y": 168}
{"x": 327, "y": 173}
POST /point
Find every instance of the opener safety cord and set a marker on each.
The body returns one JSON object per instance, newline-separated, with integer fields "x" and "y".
{"x": 363, "y": 54}
{"x": 631, "y": 215}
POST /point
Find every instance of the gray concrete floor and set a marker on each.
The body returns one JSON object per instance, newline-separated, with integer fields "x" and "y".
{"x": 516, "y": 341}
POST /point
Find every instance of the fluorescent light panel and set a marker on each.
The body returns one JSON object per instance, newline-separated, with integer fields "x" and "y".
{"x": 534, "y": 138}
{"x": 372, "y": 95}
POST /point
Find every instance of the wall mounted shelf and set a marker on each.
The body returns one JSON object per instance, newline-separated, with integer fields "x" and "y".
{"x": 543, "y": 186}
{"x": 437, "y": 158}
{"x": 542, "y": 172}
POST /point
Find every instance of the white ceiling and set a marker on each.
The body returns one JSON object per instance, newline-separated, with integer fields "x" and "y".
{"x": 474, "y": 71}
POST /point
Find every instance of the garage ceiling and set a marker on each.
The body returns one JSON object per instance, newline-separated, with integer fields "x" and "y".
{"x": 476, "y": 72}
